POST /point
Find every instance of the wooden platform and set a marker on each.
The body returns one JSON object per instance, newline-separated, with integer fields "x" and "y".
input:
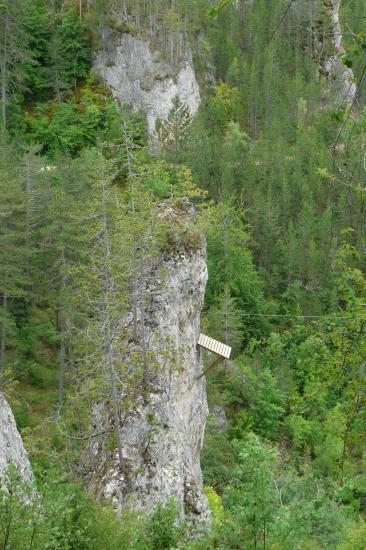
{"x": 214, "y": 346}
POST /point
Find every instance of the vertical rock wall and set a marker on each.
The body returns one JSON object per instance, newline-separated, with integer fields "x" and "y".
{"x": 162, "y": 434}
{"x": 11, "y": 446}
{"x": 339, "y": 82}
{"x": 341, "y": 78}
{"x": 138, "y": 75}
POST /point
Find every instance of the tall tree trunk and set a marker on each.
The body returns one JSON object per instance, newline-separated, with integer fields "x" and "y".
{"x": 116, "y": 412}
{"x": 3, "y": 102}
{"x": 108, "y": 332}
{"x": 133, "y": 209}
{"x": 4, "y": 76}
{"x": 3, "y": 339}
{"x": 142, "y": 321}
{"x": 28, "y": 224}
{"x": 62, "y": 361}
{"x": 62, "y": 329}
{"x": 57, "y": 85}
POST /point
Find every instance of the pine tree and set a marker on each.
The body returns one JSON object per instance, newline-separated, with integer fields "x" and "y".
{"x": 14, "y": 51}
{"x": 174, "y": 132}
{"x": 33, "y": 172}
{"x": 68, "y": 53}
{"x": 234, "y": 160}
{"x": 100, "y": 294}
{"x": 225, "y": 321}
{"x": 230, "y": 265}
{"x": 67, "y": 233}
{"x": 13, "y": 253}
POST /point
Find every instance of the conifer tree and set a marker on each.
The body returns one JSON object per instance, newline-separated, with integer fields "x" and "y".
{"x": 33, "y": 171}
{"x": 14, "y": 51}
{"x": 13, "y": 279}
{"x": 225, "y": 321}
{"x": 69, "y": 53}
{"x": 230, "y": 265}
{"x": 173, "y": 133}
{"x": 234, "y": 160}
{"x": 100, "y": 294}
{"x": 68, "y": 237}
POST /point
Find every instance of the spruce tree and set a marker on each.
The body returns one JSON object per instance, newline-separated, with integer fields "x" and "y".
{"x": 13, "y": 252}
{"x": 15, "y": 54}
{"x": 174, "y": 132}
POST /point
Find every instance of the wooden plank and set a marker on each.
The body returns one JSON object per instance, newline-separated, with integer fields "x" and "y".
{"x": 213, "y": 345}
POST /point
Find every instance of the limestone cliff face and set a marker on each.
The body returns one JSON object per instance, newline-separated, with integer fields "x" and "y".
{"x": 138, "y": 75}
{"x": 11, "y": 446}
{"x": 340, "y": 79}
{"x": 162, "y": 433}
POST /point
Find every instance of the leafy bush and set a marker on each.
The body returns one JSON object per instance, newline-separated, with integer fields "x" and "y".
{"x": 163, "y": 530}
{"x": 61, "y": 516}
{"x": 69, "y": 126}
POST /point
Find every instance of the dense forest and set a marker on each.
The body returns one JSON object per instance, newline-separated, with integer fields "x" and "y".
{"x": 274, "y": 163}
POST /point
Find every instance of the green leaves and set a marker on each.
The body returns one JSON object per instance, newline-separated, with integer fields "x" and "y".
{"x": 214, "y": 12}
{"x": 72, "y": 55}
{"x": 173, "y": 133}
{"x": 348, "y": 59}
{"x": 70, "y": 126}
{"x": 230, "y": 265}
{"x": 352, "y": 55}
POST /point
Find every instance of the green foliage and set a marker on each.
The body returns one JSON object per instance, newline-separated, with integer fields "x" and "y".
{"x": 74, "y": 54}
{"x": 43, "y": 51}
{"x": 225, "y": 321}
{"x": 62, "y": 516}
{"x": 217, "y": 457}
{"x": 70, "y": 126}
{"x": 173, "y": 133}
{"x": 253, "y": 499}
{"x": 268, "y": 504}
{"x": 61, "y": 48}
{"x": 213, "y": 12}
{"x": 284, "y": 215}
{"x": 162, "y": 530}
{"x": 230, "y": 266}
{"x": 254, "y": 394}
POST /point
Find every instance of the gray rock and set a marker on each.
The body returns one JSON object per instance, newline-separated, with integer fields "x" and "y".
{"x": 11, "y": 445}
{"x": 161, "y": 435}
{"x": 341, "y": 78}
{"x": 137, "y": 75}
{"x": 322, "y": 18}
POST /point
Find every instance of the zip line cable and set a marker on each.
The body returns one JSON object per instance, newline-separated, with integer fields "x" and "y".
{"x": 286, "y": 315}
{"x": 281, "y": 20}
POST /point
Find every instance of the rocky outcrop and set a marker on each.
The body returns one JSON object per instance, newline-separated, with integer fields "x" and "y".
{"x": 11, "y": 446}
{"x": 340, "y": 78}
{"x": 138, "y": 75}
{"x": 162, "y": 432}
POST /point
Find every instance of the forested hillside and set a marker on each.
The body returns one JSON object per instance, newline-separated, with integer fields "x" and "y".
{"x": 92, "y": 197}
